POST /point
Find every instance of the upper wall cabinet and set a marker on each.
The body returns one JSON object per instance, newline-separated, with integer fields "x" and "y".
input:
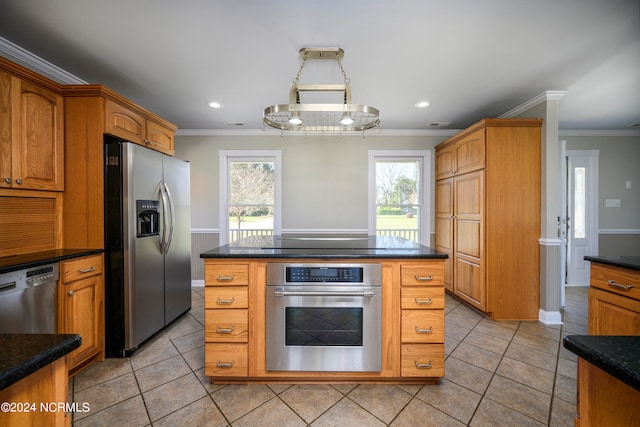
{"x": 91, "y": 111}
{"x": 31, "y": 135}
{"x": 126, "y": 123}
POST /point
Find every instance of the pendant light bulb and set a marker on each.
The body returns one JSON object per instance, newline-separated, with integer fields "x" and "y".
{"x": 295, "y": 119}
{"x": 346, "y": 120}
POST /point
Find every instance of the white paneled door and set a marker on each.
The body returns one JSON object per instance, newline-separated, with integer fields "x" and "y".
{"x": 582, "y": 214}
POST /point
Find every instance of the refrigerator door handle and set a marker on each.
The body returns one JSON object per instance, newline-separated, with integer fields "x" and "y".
{"x": 163, "y": 195}
{"x": 173, "y": 217}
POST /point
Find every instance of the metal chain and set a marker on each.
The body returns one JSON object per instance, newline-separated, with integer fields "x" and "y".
{"x": 344, "y": 74}
{"x": 304, "y": 62}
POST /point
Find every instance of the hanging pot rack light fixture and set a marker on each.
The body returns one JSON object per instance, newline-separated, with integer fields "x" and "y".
{"x": 297, "y": 116}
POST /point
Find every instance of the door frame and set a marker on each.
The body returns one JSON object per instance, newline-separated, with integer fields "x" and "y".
{"x": 592, "y": 209}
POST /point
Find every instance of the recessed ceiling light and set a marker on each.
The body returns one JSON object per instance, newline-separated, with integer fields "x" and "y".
{"x": 422, "y": 104}
{"x": 215, "y": 104}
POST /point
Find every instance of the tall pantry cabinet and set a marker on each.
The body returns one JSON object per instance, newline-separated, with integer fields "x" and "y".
{"x": 488, "y": 216}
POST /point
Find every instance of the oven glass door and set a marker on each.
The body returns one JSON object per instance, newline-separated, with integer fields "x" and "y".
{"x": 323, "y": 326}
{"x": 310, "y": 329}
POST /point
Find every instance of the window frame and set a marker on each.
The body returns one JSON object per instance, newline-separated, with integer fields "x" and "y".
{"x": 227, "y": 156}
{"x": 424, "y": 156}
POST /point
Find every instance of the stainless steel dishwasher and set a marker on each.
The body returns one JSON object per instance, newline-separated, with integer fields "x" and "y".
{"x": 28, "y": 300}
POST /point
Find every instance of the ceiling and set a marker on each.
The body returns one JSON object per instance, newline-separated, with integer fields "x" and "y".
{"x": 469, "y": 59}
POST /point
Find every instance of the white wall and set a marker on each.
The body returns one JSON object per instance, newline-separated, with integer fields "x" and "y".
{"x": 324, "y": 178}
{"x": 619, "y": 227}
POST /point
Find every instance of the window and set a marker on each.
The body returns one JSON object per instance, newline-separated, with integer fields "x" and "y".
{"x": 399, "y": 194}
{"x": 249, "y": 194}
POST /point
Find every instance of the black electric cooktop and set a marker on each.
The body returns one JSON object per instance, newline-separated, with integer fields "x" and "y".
{"x": 325, "y": 246}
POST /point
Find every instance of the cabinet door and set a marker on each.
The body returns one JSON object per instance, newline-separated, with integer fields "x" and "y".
{"x": 612, "y": 314}
{"x": 122, "y": 122}
{"x": 40, "y": 163}
{"x": 445, "y": 162}
{"x": 470, "y": 153}
{"x": 31, "y": 136}
{"x": 444, "y": 226}
{"x": 6, "y": 169}
{"x": 81, "y": 311}
{"x": 469, "y": 237}
{"x": 159, "y": 138}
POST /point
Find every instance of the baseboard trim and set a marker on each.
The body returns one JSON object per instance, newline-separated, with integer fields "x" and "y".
{"x": 550, "y": 317}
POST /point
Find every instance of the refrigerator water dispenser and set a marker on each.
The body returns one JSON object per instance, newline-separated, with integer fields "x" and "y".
{"x": 148, "y": 217}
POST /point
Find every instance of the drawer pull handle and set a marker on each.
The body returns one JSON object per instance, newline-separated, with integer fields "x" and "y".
{"x": 225, "y": 330}
{"x": 220, "y": 364}
{"x": 424, "y": 365}
{"x": 87, "y": 270}
{"x": 424, "y": 301}
{"x": 220, "y": 278}
{"x": 613, "y": 284}
{"x": 424, "y": 331}
{"x": 424, "y": 278}
{"x": 224, "y": 301}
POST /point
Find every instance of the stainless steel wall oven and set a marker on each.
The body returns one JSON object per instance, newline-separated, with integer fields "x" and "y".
{"x": 324, "y": 317}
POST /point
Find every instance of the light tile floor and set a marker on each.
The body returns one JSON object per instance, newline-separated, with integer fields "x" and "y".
{"x": 496, "y": 374}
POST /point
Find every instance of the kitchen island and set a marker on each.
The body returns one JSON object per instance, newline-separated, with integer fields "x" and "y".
{"x": 34, "y": 378}
{"x": 608, "y": 364}
{"x": 408, "y": 340}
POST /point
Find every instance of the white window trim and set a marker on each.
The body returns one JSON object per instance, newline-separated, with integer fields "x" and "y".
{"x": 225, "y": 156}
{"x": 425, "y": 217}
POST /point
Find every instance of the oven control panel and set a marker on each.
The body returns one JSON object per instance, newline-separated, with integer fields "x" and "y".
{"x": 324, "y": 274}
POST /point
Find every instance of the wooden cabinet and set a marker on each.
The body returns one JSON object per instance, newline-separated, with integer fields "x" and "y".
{"x": 126, "y": 123}
{"x": 81, "y": 308}
{"x": 227, "y": 320}
{"x": 604, "y": 400}
{"x": 614, "y": 300}
{"x": 487, "y": 216}
{"x": 412, "y": 323}
{"x": 47, "y": 386}
{"x": 91, "y": 111}
{"x": 422, "y": 320}
{"x": 31, "y": 135}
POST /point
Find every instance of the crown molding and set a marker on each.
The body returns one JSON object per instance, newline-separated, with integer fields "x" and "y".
{"x": 599, "y": 132}
{"x": 35, "y": 63}
{"x": 550, "y": 95}
{"x": 269, "y": 132}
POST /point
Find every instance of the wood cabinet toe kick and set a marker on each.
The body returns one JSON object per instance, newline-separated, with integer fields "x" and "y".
{"x": 412, "y": 324}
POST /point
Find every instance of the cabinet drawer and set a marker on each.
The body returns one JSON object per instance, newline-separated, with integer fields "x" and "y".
{"x": 422, "y": 298}
{"x": 81, "y": 267}
{"x": 226, "y": 274}
{"x": 226, "y": 325}
{"x": 226, "y": 360}
{"x": 422, "y": 326}
{"x": 226, "y": 297}
{"x": 618, "y": 280}
{"x": 422, "y": 274}
{"x": 422, "y": 360}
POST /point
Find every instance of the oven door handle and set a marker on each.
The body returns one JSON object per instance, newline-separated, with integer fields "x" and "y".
{"x": 283, "y": 293}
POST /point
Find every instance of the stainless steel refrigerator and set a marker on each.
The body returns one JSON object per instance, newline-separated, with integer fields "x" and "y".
{"x": 148, "y": 243}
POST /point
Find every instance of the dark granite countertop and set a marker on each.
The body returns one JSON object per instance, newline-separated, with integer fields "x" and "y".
{"x": 23, "y": 354}
{"x": 334, "y": 247}
{"x": 19, "y": 262}
{"x": 616, "y": 355}
{"x": 628, "y": 261}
